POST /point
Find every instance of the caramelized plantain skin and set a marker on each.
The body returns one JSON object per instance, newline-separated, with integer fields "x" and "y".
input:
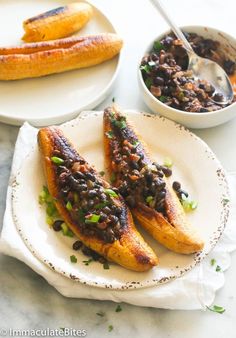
{"x": 57, "y": 23}
{"x": 130, "y": 251}
{"x": 173, "y": 231}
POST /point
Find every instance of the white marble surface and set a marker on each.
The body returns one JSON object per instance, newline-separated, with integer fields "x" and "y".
{"x": 27, "y": 301}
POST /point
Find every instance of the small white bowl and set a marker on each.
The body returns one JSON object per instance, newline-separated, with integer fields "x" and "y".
{"x": 193, "y": 120}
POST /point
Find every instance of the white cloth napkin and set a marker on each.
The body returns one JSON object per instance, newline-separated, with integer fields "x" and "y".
{"x": 194, "y": 290}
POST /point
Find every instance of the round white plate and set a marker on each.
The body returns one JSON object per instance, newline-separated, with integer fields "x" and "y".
{"x": 195, "y": 166}
{"x": 55, "y": 98}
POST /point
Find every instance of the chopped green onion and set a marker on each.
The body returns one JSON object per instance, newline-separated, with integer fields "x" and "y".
{"x": 218, "y": 268}
{"x": 88, "y": 261}
{"x": 110, "y": 192}
{"x": 51, "y": 209}
{"x": 57, "y": 160}
{"x": 69, "y": 206}
{"x": 158, "y": 46}
{"x": 168, "y": 162}
{"x": 73, "y": 259}
{"x": 93, "y": 219}
{"x": 118, "y": 308}
{"x": 100, "y": 313}
{"x": 49, "y": 220}
{"x": 106, "y": 266}
{"x": 120, "y": 124}
{"x": 110, "y": 328}
{"x": 213, "y": 261}
{"x": 148, "y": 82}
{"x": 101, "y": 205}
{"x": 66, "y": 231}
{"x": 149, "y": 199}
{"x": 216, "y": 308}
{"x": 135, "y": 144}
{"x": 162, "y": 98}
{"x": 110, "y": 134}
{"x": 187, "y": 204}
{"x": 145, "y": 68}
{"x": 102, "y": 173}
{"x": 113, "y": 99}
{"x": 225, "y": 201}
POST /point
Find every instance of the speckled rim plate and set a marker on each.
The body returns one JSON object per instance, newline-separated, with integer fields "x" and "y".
{"x": 54, "y": 98}
{"x": 195, "y": 166}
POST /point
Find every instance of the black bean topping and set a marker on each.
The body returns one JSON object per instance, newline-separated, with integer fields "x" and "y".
{"x": 57, "y": 225}
{"x": 90, "y": 176}
{"x": 167, "y": 171}
{"x": 92, "y": 193}
{"x": 176, "y": 186}
{"x": 77, "y": 245}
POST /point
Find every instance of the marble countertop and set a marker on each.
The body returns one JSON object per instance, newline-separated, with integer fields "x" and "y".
{"x": 27, "y": 301}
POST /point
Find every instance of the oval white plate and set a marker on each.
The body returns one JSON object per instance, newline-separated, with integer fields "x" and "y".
{"x": 55, "y": 98}
{"x": 195, "y": 166}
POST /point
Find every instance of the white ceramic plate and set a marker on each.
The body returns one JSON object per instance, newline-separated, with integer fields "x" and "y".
{"x": 54, "y": 98}
{"x": 195, "y": 166}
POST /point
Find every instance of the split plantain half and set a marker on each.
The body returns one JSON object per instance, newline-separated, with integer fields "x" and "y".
{"x": 43, "y": 58}
{"x": 94, "y": 211}
{"x": 57, "y": 23}
{"x": 142, "y": 183}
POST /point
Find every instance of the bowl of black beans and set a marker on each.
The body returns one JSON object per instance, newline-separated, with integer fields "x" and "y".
{"x": 169, "y": 88}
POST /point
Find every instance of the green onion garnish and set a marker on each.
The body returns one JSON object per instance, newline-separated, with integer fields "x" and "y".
{"x": 106, "y": 266}
{"x": 148, "y": 82}
{"x": 110, "y": 134}
{"x": 168, "y": 162}
{"x": 101, "y": 205}
{"x": 145, "y": 68}
{"x": 49, "y": 220}
{"x": 216, "y": 308}
{"x": 110, "y": 328}
{"x": 149, "y": 199}
{"x": 73, "y": 259}
{"x": 218, "y": 268}
{"x": 118, "y": 308}
{"x": 188, "y": 205}
{"x": 113, "y": 99}
{"x": 51, "y": 209}
{"x": 93, "y": 219}
{"x": 57, "y": 160}
{"x": 162, "y": 98}
{"x": 110, "y": 192}
{"x": 100, "y": 313}
{"x": 66, "y": 231}
{"x": 158, "y": 46}
{"x": 69, "y": 206}
{"x": 213, "y": 261}
{"x": 120, "y": 124}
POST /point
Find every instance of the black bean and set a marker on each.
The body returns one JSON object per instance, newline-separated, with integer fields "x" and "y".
{"x": 82, "y": 187}
{"x": 134, "y": 165}
{"x": 90, "y": 204}
{"x": 92, "y": 193}
{"x": 90, "y": 176}
{"x": 113, "y": 219}
{"x": 117, "y": 210}
{"x": 77, "y": 245}
{"x": 161, "y": 195}
{"x": 86, "y": 251}
{"x": 167, "y": 171}
{"x": 218, "y": 97}
{"x": 78, "y": 174}
{"x": 107, "y": 210}
{"x": 57, "y": 225}
{"x": 176, "y": 186}
{"x": 103, "y": 197}
{"x": 203, "y": 110}
{"x": 159, "y": 81}
{"x": 103, "y": 217}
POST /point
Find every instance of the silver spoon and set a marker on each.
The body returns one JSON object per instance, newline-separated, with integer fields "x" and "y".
{"x": 202, "y": 68}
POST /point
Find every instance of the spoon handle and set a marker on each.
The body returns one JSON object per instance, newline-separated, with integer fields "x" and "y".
{"x": 159, "y": 6}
